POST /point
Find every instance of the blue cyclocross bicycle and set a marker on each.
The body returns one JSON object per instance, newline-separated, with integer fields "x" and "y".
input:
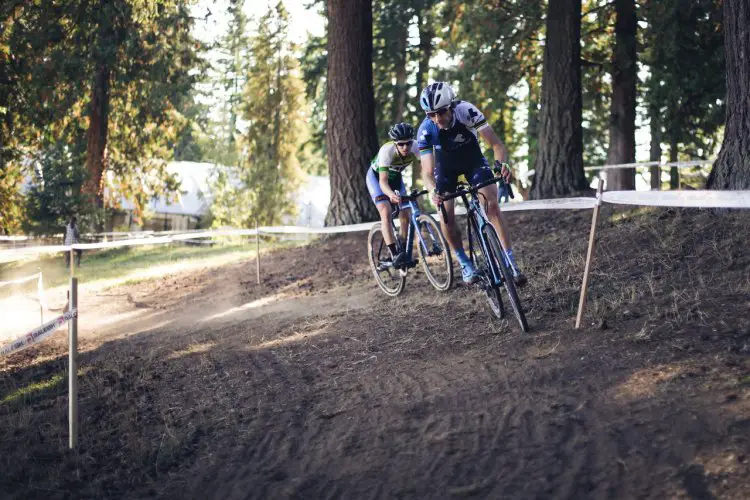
{"x": 431, "y": 244}
{"x": 489, "y": 259}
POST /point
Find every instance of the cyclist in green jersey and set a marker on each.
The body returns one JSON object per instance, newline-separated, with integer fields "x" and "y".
{"x": 386, "y": 184}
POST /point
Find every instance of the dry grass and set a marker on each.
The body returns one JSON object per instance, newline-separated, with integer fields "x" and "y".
{"x": 271, "y": 402}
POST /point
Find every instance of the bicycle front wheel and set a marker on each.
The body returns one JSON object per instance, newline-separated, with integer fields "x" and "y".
{"x": 388, "y": 278}
{"x": 484, "y": 268}
{"x": 436, "y": 256}
{"x": 510, "y": 285}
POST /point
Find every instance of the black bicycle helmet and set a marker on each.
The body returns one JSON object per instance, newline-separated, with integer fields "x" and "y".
{"x": 401, "y": 132}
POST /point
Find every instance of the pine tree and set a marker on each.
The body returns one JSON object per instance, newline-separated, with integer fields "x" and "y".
{"x": 732, "y": 167}
{"x": 624, "y": 81}
{"x": 261, "y": 189}
{"x": 350, "y": 126}
{"x": 559, "y": 164}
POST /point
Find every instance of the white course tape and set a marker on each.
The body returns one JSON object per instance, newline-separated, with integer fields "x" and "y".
{"x": 20, "y": 280}
{"x": 641, "y": 164}
{"x": 351, "y": 228}
{"x": 210, "y": 234}
{"x": 552, "y": 204}
{"x": 123, "y": 243}
{"x": 728, "y": 199}
{"x": 37, "y": 334}
{"x": 697, "y": 198}
{"x": 625, "y": 165}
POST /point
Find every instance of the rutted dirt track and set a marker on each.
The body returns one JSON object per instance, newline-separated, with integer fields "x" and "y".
{"x": 315, "y": 385}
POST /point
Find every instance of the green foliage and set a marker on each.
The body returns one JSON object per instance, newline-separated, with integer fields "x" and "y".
{"x": 231, "y": 68}
{"x": 686, "y": 88}
{"x": 50, "y": 54}
{"x": 396, "y": 59}
{"x": 597, "y": 43}
{"x": 192, "y": 143}
{"x": 314, "y": 64}
{"x": 55, "y": 194}
{"x": 274, "y": 108}
{"x": 11, "y": 200}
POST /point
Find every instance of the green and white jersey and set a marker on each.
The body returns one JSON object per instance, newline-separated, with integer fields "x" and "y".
{"x": 389, "y": 160}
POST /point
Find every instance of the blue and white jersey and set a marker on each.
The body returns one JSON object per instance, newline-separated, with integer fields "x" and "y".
{"x": 457, "y": 145}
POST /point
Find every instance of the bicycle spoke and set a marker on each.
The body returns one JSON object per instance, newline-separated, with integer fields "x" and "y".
{"x": 433, "y": 249}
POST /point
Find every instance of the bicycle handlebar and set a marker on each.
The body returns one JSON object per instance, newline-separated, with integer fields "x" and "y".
{"x": 396, "y": 207}
{"x": 413, "y": 195}
{"x": 477, "y": 187}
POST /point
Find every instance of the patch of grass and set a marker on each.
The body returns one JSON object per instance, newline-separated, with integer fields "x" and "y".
{"x": 32, "y": 388}
{"x": 123, "y": 262}
{"x": 635, "y": 213}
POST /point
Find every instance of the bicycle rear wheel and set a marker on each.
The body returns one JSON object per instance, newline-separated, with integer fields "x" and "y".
{"x": 482, "y": 265}
{"x": 436, "y": 256}
{"x": 389, "y": 279}
{"x": 510, "y": 285}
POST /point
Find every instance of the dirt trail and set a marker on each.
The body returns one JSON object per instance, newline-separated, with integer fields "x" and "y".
{"x": 315, "y": 385}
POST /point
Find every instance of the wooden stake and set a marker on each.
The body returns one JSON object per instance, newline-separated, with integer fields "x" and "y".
{"x": 73, "y": 367}
{"x": 257, "y": 252}
{"x": 72, "y": 262}
{"x": 589, "y": 254}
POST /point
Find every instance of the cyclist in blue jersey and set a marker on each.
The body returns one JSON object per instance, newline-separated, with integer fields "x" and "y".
{"x": 449, "y": 147}
{"x": 386, "y": 184}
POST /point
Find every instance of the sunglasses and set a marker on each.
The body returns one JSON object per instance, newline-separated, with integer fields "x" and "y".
{"x": 407, "y": 143}
{"x": 440, "y": 112}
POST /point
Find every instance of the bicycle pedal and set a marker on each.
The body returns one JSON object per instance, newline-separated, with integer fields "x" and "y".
{"x": 384, "y": 265}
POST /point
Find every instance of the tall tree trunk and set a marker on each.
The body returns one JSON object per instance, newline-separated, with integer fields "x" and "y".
{"x": 732, "y": 167}
{"x": 674, "y": 173}
{"x": 96, "y": 150}
{"x": 426, "y": 36}
{"x": 532, "y": 128}
{"x": 622, "y": 116}
{"x": 559, "y": 166}
{"x": 350, "y": 126}
{"x": 655, "y": 154}
{"x": 399, "y": 91}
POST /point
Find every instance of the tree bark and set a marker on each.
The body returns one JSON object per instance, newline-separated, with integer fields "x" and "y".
{"x": 426, "y": 35}
{"x": 559, "y": 164}
{"x": 655, "y": 154}
{"x": 732, "y": 167}
{"x": 622, "y": 115}
{"x": 674, "y": 173}
{"x": 532, "y": 128}
{"x": 96, "y": 151}
{"x": 399, "y": 91}
{"x": 350, "y": 126}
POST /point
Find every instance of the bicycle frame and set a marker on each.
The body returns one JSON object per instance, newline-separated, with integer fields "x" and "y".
{"x": 413, "y": 216}
{"x": 476, "y": 215}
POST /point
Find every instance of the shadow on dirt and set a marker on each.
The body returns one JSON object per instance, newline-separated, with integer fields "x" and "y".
{"x": 424, "y": 396}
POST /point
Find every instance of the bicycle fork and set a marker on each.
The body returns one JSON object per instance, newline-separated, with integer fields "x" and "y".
{"x": 479, "y": 217}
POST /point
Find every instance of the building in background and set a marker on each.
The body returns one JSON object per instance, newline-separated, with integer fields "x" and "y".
{"x": 190, "y": 208}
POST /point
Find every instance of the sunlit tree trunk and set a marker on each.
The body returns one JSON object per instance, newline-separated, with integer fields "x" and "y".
{"x": 732, "y": 167}
{"x": 96, "y": 151}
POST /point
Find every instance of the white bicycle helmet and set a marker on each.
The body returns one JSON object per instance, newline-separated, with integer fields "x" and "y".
{"x": 436, "y": 96}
